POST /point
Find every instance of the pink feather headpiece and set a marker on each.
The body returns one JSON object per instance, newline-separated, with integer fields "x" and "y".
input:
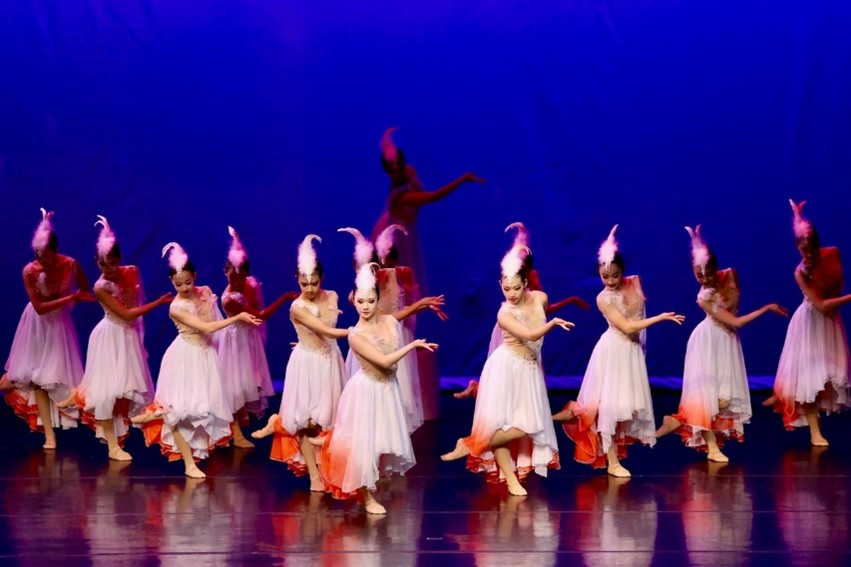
{"x": 236, "y": 254}
{"x": 388, "y": 148}
{"x": 177, "y": 256}
{"x": 512, "y": 262}
{"x": 365, "y": 279}
{"x": 699, "y": 250}
{"x": 384, "y": 242}
{"x": 522, "y": 236}
{"x": 363, "y": 247}
{"x": 307, "y": 260}
{"x": 608, "y": 249}
{"x": 42, "y": 232}
{"x": 106, "y": 238}
{"x": 802, "y": 226}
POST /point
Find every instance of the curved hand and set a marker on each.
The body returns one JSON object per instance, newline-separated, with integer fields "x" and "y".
{"x": 423, "y": 344}
{"x": 247, "y": 317}
{"x": 579, "y": 302}
{"x": 671, "y": 316}
{"x": 165, "y": 299}
{"x": 779, "y": 309}
{"x": 472, "y": 177}
{"x": 83, "y": 296}
{"x": 566, "y": 325}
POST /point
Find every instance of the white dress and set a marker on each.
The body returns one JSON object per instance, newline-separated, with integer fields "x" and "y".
{"x": 715, "y": 370}
{"x": 312, "y": 385}
{"x": 813, "y": 365}
{"x": 513, "y": 394}
{"x": 116, "y": 362}
{"x": 614, "y": 404}
{"x": 242, "y": 358}
{"x": 190, "y": 393}
{"x": 392, "y": 300}
{"x": 46, "y": 350}
{"x": 370, "y": 436}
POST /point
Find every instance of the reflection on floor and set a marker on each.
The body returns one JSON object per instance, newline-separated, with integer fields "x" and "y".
{"x": 778, "y": 502}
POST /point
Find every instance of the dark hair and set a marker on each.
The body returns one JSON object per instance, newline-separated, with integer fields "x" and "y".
{"x": 187, "y": 267}
{"x": 617, "y": 261}
{"x": 400, "y": 162}
{"x": 812, "y": 237}
{"x": 114, "y": 252}
{"x": 319, "y": 270}
{"x": 377, "y": 291}
{"x": 523, "y": 274}
{"x": 52, "y": 242}
{"x": 243, "y": 268}
{"x": 392, "y": 254}
{"x": 528, "y": 263}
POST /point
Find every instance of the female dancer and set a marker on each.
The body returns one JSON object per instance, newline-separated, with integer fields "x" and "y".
{"x": 715, "y": 402}
{"x": 117, "y": 383}
{"x": 370, "y": 435}
{"x": 44, "y": 363}
{"x": 190, "y": 415}
{"x": 512, "y": 430}
{"x": 405, "y": 198}
{"x": 314, "y": 377}
{"x": 534, "y": 284}
{"x": 242, "y": 354}
{"x": 614, "y": 404}
{"x": 395, "y": 284}
{"x": 813, "y": 371}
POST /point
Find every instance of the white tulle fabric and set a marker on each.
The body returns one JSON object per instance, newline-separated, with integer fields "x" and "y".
{"x": 242, "y": 357}
{"x": 116, "y": 361}
{"x": 46, "y": 350}
{"x": 615, "y": 385}
{"x": 189, "y": 386}
{"x": 315, "y": 371}
{"x": 370, "y": 431}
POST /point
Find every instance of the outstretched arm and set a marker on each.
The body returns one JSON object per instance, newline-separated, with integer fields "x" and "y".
{"x": 735, "y": 321}
{"x": 43, "y": 307}
{"x": 628, "y": 327}
{"x": 129, "y": 314}
{"x": 210, "y": 327}
{"x": 433, "y": 303}
{"x": 823, "y": 305}
{"x": 315, "y": 324}
{"x": 418, "y": 198}
{"x": 374, "y": 356}
{"x": 572, "y": 300}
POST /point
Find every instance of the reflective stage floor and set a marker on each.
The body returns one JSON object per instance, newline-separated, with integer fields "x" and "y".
{"x": 778, "y": 502}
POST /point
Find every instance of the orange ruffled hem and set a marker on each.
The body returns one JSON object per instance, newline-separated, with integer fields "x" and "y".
{"x": 479, "y": 443}
{"x": 332, "y": 467}
{"x": 721, "y": 426}
{"x": 153, "y": 430}
{"x": 792, "y": 410}
{"x": 285, "y": 448}
{"x": 587, "y": 451}
{"x": 121, "y": 410}
{"x": 29, "y": 413}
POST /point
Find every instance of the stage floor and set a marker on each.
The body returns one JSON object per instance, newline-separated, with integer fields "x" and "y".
{"x": 778, "y": 502}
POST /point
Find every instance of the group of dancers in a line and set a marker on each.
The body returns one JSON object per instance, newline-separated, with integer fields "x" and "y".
{"x": 347, "y": 423}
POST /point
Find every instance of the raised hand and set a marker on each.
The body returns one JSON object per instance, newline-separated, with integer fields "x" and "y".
{"x": 423, "y": 344}
{"x": 247, "y": 317}
{"x": 470, "y": 176}
{"x": 775, "y": 308}
{"x": 566, "y": 325}
{"x": 165, "y": 298}
{"x": 83, "y": 296}
{"x": 671, "y": 316}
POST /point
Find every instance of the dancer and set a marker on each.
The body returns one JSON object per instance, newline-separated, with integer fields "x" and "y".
{"x": 370, "y": 435}
{"x": 614, "y": 408}
{"x": 405, "y": 198}
{"x": 117, "y": 383}
{"x": 521, "y": 239}
{"x": 716, "y": 402}
{"x": 813, "y": 371}
{"x": 191, "y": 414}
{"x": 512, "y": 431}
{"x": 314, "y": 377}
{"x": 44, "y": 363}
{"x": 395, "y": 284}
{"x": 241, "y": 347}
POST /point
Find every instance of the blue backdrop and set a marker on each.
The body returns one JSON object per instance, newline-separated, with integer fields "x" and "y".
{"x": 175, "y": 119}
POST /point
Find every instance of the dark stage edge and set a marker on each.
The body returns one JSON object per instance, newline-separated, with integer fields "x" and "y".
{"x": 779, "y": 502}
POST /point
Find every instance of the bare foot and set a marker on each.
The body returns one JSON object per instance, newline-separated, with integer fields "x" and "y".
{"x": 516, "y": 489}
{"x": 146, "y": 417}
{"x": 316, "y": 441}
{"x": 243, "y": 443}
{"x": 717, "y": 457}
{"x": 566, "y": 414}
{"x": 461, "y": 450}
{"x": 669, "y": 424}
{"x": 470, "y": 392}
{"x": 818, "y": 441}
{"x": 316, "y": 485}
{"x": 49, "y": 443}
{"x": 6, "y": 384}
{"x": 119, "y": 454}
{"x": 770, "y": 401}
{"x": 268, "y": 429}
{"x": 618, "y": 471}
{"x": 194, "y": 472}
{"x": 373, "y": 507}
{"x": 723, "y": 404}
{"x": 68, "y": 403}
